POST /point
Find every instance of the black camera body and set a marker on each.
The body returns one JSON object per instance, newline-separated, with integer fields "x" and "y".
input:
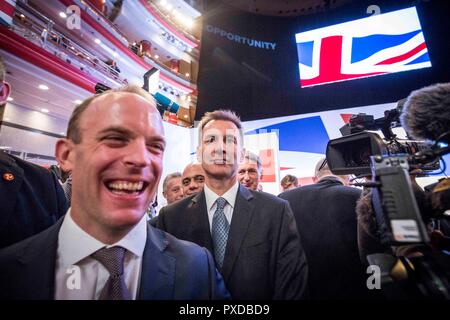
{"x": 351, "y": 153}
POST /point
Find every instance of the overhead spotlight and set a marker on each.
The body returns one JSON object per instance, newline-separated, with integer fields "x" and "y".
{"x": 9, "y": 99}
{"x": 115, "y": 54}
{"x": 187, "y": 74}
{"x": 77, "y": 101}
{"x": 185, "y": 116}
{"x": 22, "y": 15}
{"x": 43, "y": 87}
{"x": 156, "y": 56}
{"x": 189, "y": 50}
{"x": 44, "y": 110}
{"x": 97, "y": 41}
{"x": 62, "y": 15}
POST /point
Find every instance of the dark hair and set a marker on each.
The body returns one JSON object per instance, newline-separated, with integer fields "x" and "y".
{"x": 225, "y": 115}
{"x": 73, "y": 128}
{"x": 2, "y": 69}
{"x": 289, "y": 180}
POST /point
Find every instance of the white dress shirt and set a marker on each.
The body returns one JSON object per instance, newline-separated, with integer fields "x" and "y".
{"x": 211, "y": 204}
{"x": 73, "y": 261}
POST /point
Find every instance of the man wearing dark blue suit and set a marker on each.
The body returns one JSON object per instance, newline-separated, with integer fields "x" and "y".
{"x": 31, "y": 198}
{"x": 103, "y": 248}
{"x": 253, "y": 235}
{"x": 326, "y": 219}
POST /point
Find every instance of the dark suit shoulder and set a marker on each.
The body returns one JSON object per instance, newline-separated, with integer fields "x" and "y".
{"x": 177, "y": 246}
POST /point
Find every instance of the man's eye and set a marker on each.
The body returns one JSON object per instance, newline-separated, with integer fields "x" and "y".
{"x": 230, "y": 139}
{"x": 185, "y": 182}
{"x": 157, "y": 146}
{"x": 210, "y": 139}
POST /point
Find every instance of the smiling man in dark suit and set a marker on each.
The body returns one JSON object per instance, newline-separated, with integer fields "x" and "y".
{"x": 253, "y": 235}
{"x": 103, "y": 248}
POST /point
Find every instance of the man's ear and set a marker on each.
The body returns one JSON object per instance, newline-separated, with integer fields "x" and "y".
{"x": 64, "y": 154}
{"x": 4, "y": 93}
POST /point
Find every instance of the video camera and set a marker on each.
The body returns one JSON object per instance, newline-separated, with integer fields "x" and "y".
{"x": 403, "y": 213}
{"x": 351, "y": 153}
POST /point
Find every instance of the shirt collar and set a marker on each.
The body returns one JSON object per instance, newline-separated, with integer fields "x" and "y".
{"x": 74, "y": 244}
{"x": 230, "y": 196}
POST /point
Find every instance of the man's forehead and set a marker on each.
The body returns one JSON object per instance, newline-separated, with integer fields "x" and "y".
{"x": 219, "y": 125}
{"x": 117, "y": 105}
{"x": 193, "y": 170}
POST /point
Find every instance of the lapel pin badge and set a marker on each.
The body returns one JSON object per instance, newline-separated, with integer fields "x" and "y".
{"x": 8, "y": 176}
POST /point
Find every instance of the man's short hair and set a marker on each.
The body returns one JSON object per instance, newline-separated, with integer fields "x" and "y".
{"x": 289, "y": 180}
{"x": 170, "y": 177}
{"x": 225, "y": 115}
{"x": 321, "y": 168}
{"x": 250, "y": 156}
{"x": 73, "y": 128}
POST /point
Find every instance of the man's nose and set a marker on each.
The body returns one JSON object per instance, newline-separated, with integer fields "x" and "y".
{"x": 137, "y": 154}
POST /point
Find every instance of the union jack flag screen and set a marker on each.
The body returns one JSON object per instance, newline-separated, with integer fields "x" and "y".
{"x": 380, "y": 44}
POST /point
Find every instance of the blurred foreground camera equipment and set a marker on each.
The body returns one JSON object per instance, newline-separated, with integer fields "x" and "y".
{"x": 404, "y": 215}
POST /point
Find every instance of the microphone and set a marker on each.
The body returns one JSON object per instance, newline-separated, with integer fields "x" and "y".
{"x": 426, "y": 113}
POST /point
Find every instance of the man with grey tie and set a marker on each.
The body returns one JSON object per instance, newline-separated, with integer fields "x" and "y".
{"x": 253, "y": 235}
{"x": 103, "y": 247}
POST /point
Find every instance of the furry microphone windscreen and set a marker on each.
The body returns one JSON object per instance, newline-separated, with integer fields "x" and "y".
{"x": 426, "y": 113}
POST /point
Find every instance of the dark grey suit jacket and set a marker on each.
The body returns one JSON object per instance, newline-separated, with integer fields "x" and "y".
{"x": 326, "y": 219}
{"x": 171, "y": 269}
{"x": 263, "y": 259}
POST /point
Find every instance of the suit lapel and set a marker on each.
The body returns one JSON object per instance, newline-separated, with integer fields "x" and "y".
{"x": 9, "y": 189}
{"x": 38, "y": 260}
{"x": 197, "y": 216}
{"x": 158, "y": 269}
{"x": 242, "y": 213}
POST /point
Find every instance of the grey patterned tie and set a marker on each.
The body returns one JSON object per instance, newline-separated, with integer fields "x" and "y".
{"x": 220, "y": 227}
{"x": 112, "y": 259}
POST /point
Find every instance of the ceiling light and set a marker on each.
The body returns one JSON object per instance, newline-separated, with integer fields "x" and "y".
{"x": 115, "y": 54}
{"x": 168, "y": 6}
{"x": 156, "y": 56}
{"x": 97, "y": 41}
{"x": 189, "y": 49}
{"x": 62, "y": 133}
{"x": 77, "y": 101}
{"x": 43, "y": 87}
{"x": 22, "y": 15}
{"x": 162, "y": 2}
{"x": 9, "y": 99}
{"x": 72, "y": 47}
{"x": 187, "y": 74}
{"x": 44, "y": 110}
{"x": 62, "y": 15}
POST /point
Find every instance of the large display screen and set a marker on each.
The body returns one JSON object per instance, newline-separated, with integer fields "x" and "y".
{"x": 250, "y": 63}
{"x": 380, "y": 44}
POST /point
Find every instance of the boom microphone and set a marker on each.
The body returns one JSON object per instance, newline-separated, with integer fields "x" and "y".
{"x": 426, "y": 113}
